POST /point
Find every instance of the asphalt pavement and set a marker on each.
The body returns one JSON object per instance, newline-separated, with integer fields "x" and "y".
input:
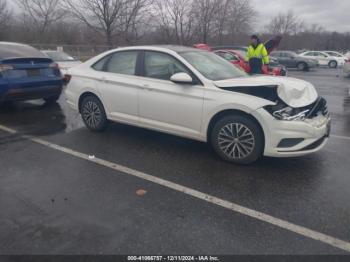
{"x": 65, "y": 190}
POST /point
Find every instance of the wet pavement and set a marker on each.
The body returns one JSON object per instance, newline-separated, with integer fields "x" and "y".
{"x": 53, "y": 203}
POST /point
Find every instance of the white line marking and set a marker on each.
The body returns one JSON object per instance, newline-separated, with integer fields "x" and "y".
{"x": 303, "y": 231}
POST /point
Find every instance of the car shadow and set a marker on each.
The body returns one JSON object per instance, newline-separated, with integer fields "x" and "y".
{"x": 33, "y": 117}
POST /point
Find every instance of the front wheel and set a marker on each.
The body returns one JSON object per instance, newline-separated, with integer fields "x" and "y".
{"x": 238, "y": 139}
{"x": 93, "y": 114}
{"x": 333, "y": 64}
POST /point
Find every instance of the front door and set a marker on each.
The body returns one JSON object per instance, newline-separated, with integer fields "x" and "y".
{"x": 164, "y": 105}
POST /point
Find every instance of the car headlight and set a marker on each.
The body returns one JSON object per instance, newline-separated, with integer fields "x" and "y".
{"x": 286, "y": 113}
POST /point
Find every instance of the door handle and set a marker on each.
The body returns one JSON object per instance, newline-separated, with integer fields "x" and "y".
{"x": 103, "y": 79}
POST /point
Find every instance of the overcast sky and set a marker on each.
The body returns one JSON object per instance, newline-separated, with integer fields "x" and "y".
{"x": 333, "y": 15}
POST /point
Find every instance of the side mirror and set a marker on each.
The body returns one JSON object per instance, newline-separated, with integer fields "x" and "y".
{"x": 181, "y": 78}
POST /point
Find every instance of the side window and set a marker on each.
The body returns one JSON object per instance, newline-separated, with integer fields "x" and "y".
{"x": 162, "y": 66}
{"x": 321, "y": 54}
{"x": 99, "y": 66}
{"x": 123, "y": 62}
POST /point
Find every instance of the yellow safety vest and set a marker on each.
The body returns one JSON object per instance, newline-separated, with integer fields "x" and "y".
{"x": 258, "y": 52}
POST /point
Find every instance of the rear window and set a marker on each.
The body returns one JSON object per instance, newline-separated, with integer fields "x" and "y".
{"x": 19, "y": 51}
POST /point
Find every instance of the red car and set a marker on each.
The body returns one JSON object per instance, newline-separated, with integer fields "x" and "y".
{"x": 236, "y": 57}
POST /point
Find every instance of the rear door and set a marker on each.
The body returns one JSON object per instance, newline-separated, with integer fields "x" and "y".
{"x": 323, "y": 59}
{"x": 164, "y": 105}
{"x": 118, "y": 85}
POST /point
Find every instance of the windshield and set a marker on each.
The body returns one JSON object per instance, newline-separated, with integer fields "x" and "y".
{"x": 59, "y": 56}
{"x": 212, "y": 66}
{"x": 334, "y": 54}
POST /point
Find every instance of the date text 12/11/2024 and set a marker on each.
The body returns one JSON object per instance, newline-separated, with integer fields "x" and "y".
{"x": 173, "y": 258}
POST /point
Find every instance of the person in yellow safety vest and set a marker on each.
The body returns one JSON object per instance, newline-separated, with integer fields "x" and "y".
{"x": 257, "y": 55}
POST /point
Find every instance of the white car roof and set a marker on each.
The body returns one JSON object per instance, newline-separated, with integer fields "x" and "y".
{"x": 164, "y": 48}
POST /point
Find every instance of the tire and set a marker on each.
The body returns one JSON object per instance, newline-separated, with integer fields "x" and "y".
{"x": 227, "y": 144}
{"x": 333, "y": 64}
{"x": 51, "y": 100}
{"x": 93, "y": 114}
{"x": 302, "y": 66}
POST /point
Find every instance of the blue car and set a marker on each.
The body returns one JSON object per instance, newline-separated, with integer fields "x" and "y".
{"x": 26, "y": 74}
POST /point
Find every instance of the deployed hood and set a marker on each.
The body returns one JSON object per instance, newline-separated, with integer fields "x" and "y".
{"x": 294, "y": 92}
{"x": 273, "y": 43}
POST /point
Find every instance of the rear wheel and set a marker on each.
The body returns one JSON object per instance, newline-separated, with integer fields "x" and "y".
{"x": 93, "y": 114}
{"x": 238, "y": 139}
{"x": 302, "y": 66}
{"x": 333, "y": 64}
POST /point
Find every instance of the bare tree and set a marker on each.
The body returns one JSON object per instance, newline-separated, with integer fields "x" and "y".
{"x": 41, "y": 13}
{"x": 5, "y": 13}
{"x": 234, "y": 16}
{"x": 285, "y": 24}
{"x": 176, "y": 20}
{"x": 206, "y": 11}
{"x": 134, "y": 19}
{"x": 109, "y": 17}
{"x": 5, "y": 16}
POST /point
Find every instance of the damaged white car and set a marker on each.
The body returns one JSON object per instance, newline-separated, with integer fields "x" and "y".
{"x": 198, "y": 95}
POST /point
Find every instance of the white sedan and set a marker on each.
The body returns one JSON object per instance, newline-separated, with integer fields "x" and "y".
{"x": 198, "y": 95}
{"x": 325, "y": 59}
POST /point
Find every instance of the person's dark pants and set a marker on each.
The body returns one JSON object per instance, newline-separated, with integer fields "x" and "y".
{"x": 255, "y": 66}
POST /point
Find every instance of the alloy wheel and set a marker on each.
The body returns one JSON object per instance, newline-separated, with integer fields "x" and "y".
{"x": 236, "y": 141}
{"x": 333, "y": 64}
{"x": 92, "y": 114}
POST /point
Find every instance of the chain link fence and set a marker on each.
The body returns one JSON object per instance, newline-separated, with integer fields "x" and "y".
{"x": 80, "y": 52}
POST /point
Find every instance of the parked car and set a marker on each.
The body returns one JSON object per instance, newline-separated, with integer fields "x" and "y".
{"x": 236, "y": 57}
{"x": 196, "y": 94}
{"x": 324, "y": 59}
{"x": 270, "y": 45}
{"x": 25, "y": 74}
{"x": 292, "y": 60}
{"x": 63, "y": 60}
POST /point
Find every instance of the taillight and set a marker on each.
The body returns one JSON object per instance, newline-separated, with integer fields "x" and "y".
{"x": 66, "y": 79}
{"x": 4, "y": 68}
{"x": 54, "y": 65}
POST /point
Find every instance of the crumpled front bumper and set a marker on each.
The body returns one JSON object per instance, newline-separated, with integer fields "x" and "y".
{"x": 304, "y": 137}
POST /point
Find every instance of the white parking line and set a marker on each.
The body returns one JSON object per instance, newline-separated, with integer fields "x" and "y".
{"x": 303, "y": 231}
